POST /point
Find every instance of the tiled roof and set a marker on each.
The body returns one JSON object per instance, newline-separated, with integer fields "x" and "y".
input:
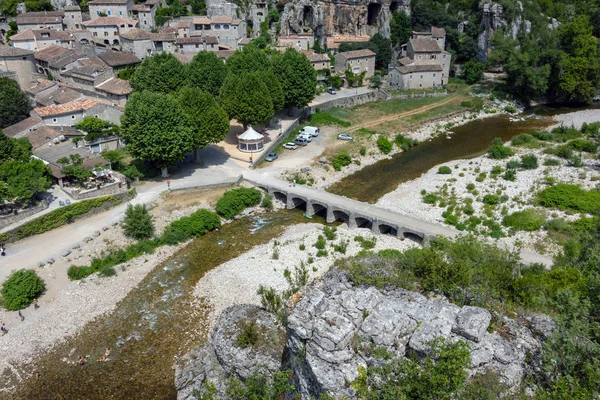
{"x": 162, "y": 37}
{"x": 39, "y": 86}
{"x": 110, "y": 21}
{"x": 316, "y": 57}
{"x": 118, "y": 58}
{"x": 183, "y": 58}
{"x": 357, "y": 54}
{"x": 60, "y": 96}
{"x": 41, "y": 136}
{"x": 197, "y": 39}
{"x": 115, "y": 86}
{"x": 406, "y": 61}
{"x": 9, "y": 51}
{"x": 202, "y": 21}
{"x": 245, "y": 41}
{"x": 143, "y": 7}
{"x": 100, "y": 2}
{"x": 49, "y": 52}
{"x": 335, "y": 41}
{"x": 42, "y": 34}
{"x": 72, "y": 8}
{"x": 25, "y": 125}
{"x": 225, "y": 19}
{"x": 89, "y": 72}
{"x": 70, "y": 107}
{"x": 437, "y": 32}
{"x": 419, "y": 68}
{"x": 135, "y": 34}
{"x": 42, "y": 17}
{"x": 424, "y": 45}
{"x": 67, "y": 58}
{"x": 224, "y": 54}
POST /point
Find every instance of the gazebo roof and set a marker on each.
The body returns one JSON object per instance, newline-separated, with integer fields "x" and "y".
{"x": 250, "y": 134}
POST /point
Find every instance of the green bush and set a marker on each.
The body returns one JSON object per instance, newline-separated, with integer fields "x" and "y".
{"x": 510, "y": 175}
{"x": 510, "y": 109}
{"x": 320, "y": 243}
{"x": 330, "y": 232}
{"x": 529, "y": 161}
{"x": 498, "y": 151}
{"x": 366, "y": 244}
{"x": 481, "y": 177}
{"x": 322, "y": 118}
{"x": 267, "y": 202}
{"x": 513, "y": 164}
{"x": 583, "y": 145}
{"x": 491, "y": 199}
{"x": 576, "y": 162}
{"x": 564, "y": 151}
{"x": 234, "y": 201}
{"x": 405, "y": 143}
{"x": 466, "y": 104}
{"x": 496, "y": 170}
{"x": 569, "y": 197}
{"x": 137, "y": 222}
{"x": 20, "y": 289}
{"x": 195, "y": 225}
{"x": 430, "y": 198}
{"x": 363, "y": 150}
{"x": 522, "y": 139}
{"x": 543, "y": 135}
{"x": 470, "y": 186}
{"x": 384, "y": 144}
{"x": 340, "y": 160}
{"x": 526, "y": 220}
{"x": 444, "y": 170}
{"x": 247, "y": 335}
{"x": 552, "y": 162}
{"x": 107, "y": 271}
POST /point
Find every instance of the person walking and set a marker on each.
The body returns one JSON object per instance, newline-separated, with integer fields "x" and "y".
{"x": 35, "y": 305}
{"x": 3, "y": 329}
{"x": 21, "y": 316}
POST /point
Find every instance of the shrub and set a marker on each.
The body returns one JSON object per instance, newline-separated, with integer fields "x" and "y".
{"x": 470, "y": 186}
{"x": 491, "y": 199}
{"x": 529, "y": 161}
{"x": 498, "y": 151}
{"x": 235, "y": 200}
{"x": 576, "y": 162}
{"x": 569, "y": 197}
{"x": 522, "y": 139}
{"x": 195, "y": 225}
{"x": 248, "y": 334}
{"x": 366, "y": 244}
{"x": 367, "y": 131}
{"x": 552, "y": 162}
{"x": 363, "y": 150}
{"x": 444, "y": 170}
{"x": 405, "y": 143}
{"x": 20, "y": 288}
{"x": 510, "y": 175}
{"x": 321, "y": 253}
{"x": 330, "y": 232}
{"x": 107, "y": 271}
{"x": 584, "y": 145}
{"x": 513, "y": 164}
{"x": 481, "y": 177}
{"x": 564, "y": 151}
{"x": 341, "y": 246}
{"x": 138, "y": 222}
{"x": 510, "y": 109}
{"x": 340, "y": 160}
{"x": 320, "y": 118}
{"x": 496, "y": 170}
{"x": 526, "y": 220}
{"x": 302, "y": 247}
{"x": 320, "y": 243}
{"x": 267, "y": 202}
{"x": 384, "y": 144}
{"x": 430, "y": 198}
{"x": 466, "y": 104}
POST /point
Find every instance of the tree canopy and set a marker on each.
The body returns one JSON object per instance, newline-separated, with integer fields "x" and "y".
{"x": 155, "y": 128}
{"x": 247, "y": 99}
{"x": 161, "y": 73}
{"x": 207, "y": 72}
{"x": 297, "y": 76}
{"x": 400, "y": 28}
{"x": 250, "y": 59}
{"x": 14, "y": 103}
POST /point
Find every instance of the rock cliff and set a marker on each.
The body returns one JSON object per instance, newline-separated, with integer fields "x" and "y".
{"x": 334, "y": 326}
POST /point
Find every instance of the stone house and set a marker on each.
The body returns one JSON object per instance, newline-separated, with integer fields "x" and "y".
{"x": 18, "y": 61}
{"x": 333, "y": 42}
{"x": 412, "y": 77}
{"x": 138, "y": 42}
{"x": 196, "y": 44}
{"x": 298, "y": 42}
{"x": 60, "y": 95}
{"x": 21, "y": 128}
{"x": 71, "y": 113}
{"x": 118, "y": 60}
{"x": 106, "y": 30}
{"x": 321, "y": 63}
{"x": 145, "y": 13}
{"x": 88, "y": 76}
{"x": 357, "y": 61}
{"x": 226, "y": 29}
{"x": 164, "y": 42}
{"x": 35, "y": 39}
{"x": 115, "y": 89}
{"x": 110, "y": 8}
{"x": 437, "y": 34}
{"x": 41, "y": 20}
{"x": 73, "y": 17}
{"x": 56, "y": 60}
{"x": 259, "y": 12}
{"x": 41, "y": 87}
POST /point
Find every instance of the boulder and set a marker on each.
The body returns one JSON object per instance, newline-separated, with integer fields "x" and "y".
{"x": 87, "y": 239}
{"x": 96, "y": 233}
{"x": 472, "y": 323}
{"x": 50, "y": 260}
{"x": 105, "y": 228}
{"x": 65, "y": 253}
{"x": 41, "y": 264}
{"x": 75, "y": 247}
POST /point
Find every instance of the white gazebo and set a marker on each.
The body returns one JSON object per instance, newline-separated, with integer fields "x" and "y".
{"x": 251, "y": 141}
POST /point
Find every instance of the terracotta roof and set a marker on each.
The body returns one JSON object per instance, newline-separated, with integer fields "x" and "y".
{"x": 135, "y": 34}
{"x": 245, "y": 41}
{"x": 67, "y": 58}
{"x": 38, "y": 34}
{"x": 224, "y": 54}
{"x": 72, "y": 8}
{"x": 197, "y": 39}
{"x": 185, "y": 25}
{"x": 438, "y": 32}
{"x": 25, "y": 125}
{"x": 110, "y": 21}
{"x": 406, "y": 61}
{"x": 60, "y": 96}
{"x": 40, "y": 85}
{"x": 316, "y": 57}
{"x": 9, "y": 51}
{"x": 162, "y": 37}
{"x": 419, "y": 68}
{"x": 202, "y": 21}
{"x": 169, "y": 29}
{"x": 73, "y": 106}
{"x": 143, "y": 7}
{"x": 49, "y": 52}
{"x": 424, "y": 45}
{"x": 99, "y": 2}
{"x": 41, "y": 136}
{"x": 88, "y": 72}
{"x": 42, "y": 17}
{"x": 357, "y": 54}
{"x": 335, "y": 41}
{"x": 225, "y": 19}
{"x": 118, "y": 58}
{"x": 115, "y": 86}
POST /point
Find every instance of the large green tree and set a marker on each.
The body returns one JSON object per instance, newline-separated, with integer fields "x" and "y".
{"x": 250, "y": 59}
{"x": 161, "y": 73}
{"x": 14, "y": 103}
{"x": 297, "y": 76}
{"x": 247, "y": 99}
{"x": 207, "y": 72}
{"x": 23, "y": 180}
{"x": 275, "y": 89}
{"x": 400, "y": 27}
{"x": 155, "y": 128}
{"x": 206, "y": 117}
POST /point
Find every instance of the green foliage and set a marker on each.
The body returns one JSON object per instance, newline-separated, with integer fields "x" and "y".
{"x": 297, "y": 76}
{"x": 20, "y": 289}
{"x": 384, "y": 144}
{"x": 235, "y": 200}
{"x": 510, "y": 175}
{"x": 155, "y": 128}
{"x": 405, "y": 143}
{"x": 491, "y": 199}
{"x": 366, "y": 244}
{"x": 529, "y": 161}
{"x": 498, "y": 151}
{"x": 522, "y": 139}
{"x": 248, "y": 60}
{"x": 248, "y": 334}
{"x": 320, "y": 243}
{"x": 362, "y": 151}
{"x": 526, "y": 220}
{"x": 126, "y": 74}
{"x": 379, "y": 45}
{"x": 400, "y": 28}
{"x": 472, "y": 72}
{"x": 161, "y": 73}
{"x": 330, "y": 232}
{"x": 510, "y": 109}
{"x": 341, "y": 159}
{"x": 114, "y": 157}
{"x": 138, "y": 222}
{"x": 14, "y": 104}
{"x": 195, "y": 225}
{"x": 569, "y": 197}
{"x": 247, "y": 99}
{"x": 323, "y": 118}
{"x": 267, "y": 202}
{"x": 444, "y": 170}
{"x": 257, "y": 387}
{"x": 95, "y": 127}
{"x": 207, "y": 72}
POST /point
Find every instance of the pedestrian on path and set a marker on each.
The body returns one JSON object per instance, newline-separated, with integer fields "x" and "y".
{"x": 169, "y": 184}
{"x": 21, "y": 316}
{"x": 4, "y": 330}
{"x": 35, "y": 305}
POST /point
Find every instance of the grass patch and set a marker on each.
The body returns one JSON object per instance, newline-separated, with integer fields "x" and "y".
{"x": 569, "y": 197}
{"x": 526, "y": 220}
{"x": 325, "y": 118}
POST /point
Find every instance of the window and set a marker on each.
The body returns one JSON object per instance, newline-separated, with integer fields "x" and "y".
{"x": 181, "y": 46}
{"x": 115, "y": 33}
{"x": 433, "y": 56}
{"x": 72, "y": 117}
{"x": 197, "y": 45}
{"x": 421, "y": 76}
{"x": 120, "y": 12}
{"x": 226, "y": 37}
{"x": 97, "y": 12}
{"x": 108, "y": 12}
{"x": 53, "y": 119}
{"x": 145, "y": 22}
{"x": 434, "y": 75}
{"x": 420, "y": 57}
{"x": 444, "y": 57}
{"x": 443, "y": 65}
{"x": 410, "y": 76}
{"x": 72, "y": 16}
{"x": 105, "y": 33}
{"x": 95, "y": 33}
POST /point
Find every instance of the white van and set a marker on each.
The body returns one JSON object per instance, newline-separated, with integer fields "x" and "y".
{"x": 311, "y": 130}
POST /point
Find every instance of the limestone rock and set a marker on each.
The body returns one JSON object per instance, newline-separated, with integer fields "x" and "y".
{"x": 472, "y": 322}
{"x": 65, "y": 253}
{"x": 50, "y": 260}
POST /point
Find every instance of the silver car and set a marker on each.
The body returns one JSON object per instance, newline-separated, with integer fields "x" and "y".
{"x": 345, "y": 136}
{"x": 271, "y": 157}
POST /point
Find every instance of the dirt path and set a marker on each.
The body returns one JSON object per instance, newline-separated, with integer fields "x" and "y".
{"x": 393, "y": 117}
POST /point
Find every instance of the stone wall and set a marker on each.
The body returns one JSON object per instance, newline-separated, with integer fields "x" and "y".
{"x": 233, "y": 182}
{"x": 106, "y": 190}
{"x": 10, "y": 219}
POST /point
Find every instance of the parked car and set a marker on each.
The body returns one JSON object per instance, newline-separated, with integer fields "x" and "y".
{"x": 290, "y": 146}
{"x": 306, "y": 136}
{"x": 271, "y": 157}
{"x": 301, "y": 141}
{"x": 310, "y": 130}
{"x": 345, "y": 136}
{"x": 331, "y": 90}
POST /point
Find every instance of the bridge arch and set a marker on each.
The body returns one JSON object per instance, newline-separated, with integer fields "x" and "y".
{"x": 280, "y": 196}
{"x": 315, "y": 208}
{"x": 387, "y": 229}
{"x": 415, "y": 237}
{"x": 297, "y": 202}
{"x": 363, "y": 222}
{"x": 339, "y": 215}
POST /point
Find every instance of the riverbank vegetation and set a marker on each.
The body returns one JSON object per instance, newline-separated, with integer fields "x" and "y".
{"x": 20, "y": 289}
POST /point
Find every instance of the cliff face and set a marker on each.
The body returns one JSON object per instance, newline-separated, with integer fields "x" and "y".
{"x": 346, "y": 18}
{"x": 492, "y": 19}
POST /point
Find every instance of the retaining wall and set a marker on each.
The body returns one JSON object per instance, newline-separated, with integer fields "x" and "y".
{"x": 22, "y": 214}
{"x": 233, "y": 182}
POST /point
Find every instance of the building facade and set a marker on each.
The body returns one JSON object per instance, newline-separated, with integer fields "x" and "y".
{"x": 18, "y": 61}
{"x": 357, "y": 61}
{"x": 110, "y": 8}
{"x": 41, "y": 20}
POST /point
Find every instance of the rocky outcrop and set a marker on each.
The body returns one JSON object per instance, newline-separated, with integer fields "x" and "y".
{"x": 343, "y": 18}
{"x": 210, "y": 365}
{"x": 334, "y": 326}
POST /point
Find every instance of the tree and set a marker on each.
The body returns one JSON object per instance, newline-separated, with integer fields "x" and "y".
{"x": 383, "y": 55}
{"x": 73, "y": 167}
{"x": 467, "y": 49}
{"x": 207, "y": 72}
{"x": 155, "y": 128}
{"x": 297, "y": 76}
{"x": 250, "y": 59}
{"x": 21, "y": 287}
{"x": 23, "y": 180}
{"x": 161, "y": 73}
{"x": 138, "y": 222}
{"x": 247, "y": 99}
{"x": 198, "y": 7}
{"x": 208, "y": 120}
{"x": 275, "y": 89}
{"x": 400, "y": 27}
{"x": 14, "y": 104}
{"x": 472, "y": 72}
{"x": 14, "y": 149}
{"x": 376, "y": 81}
{"x": 114, "y": 157}
{"x": 93, "y": 125}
